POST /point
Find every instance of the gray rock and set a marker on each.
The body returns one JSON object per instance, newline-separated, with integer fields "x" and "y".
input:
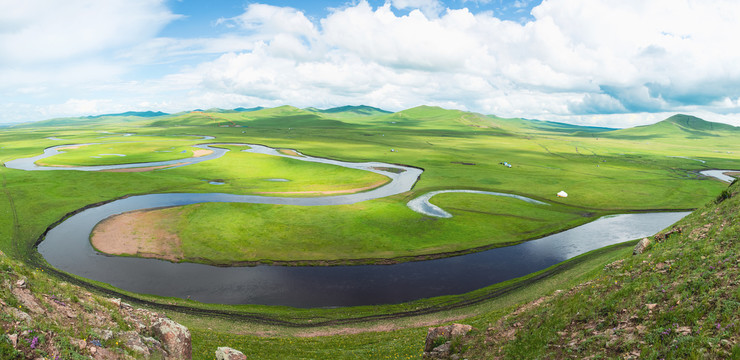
{"x": 133, "y": 342}
{"x": 641, "y": 246}
{"x": 446, "y": 334}
{"x": 227, "y": 353}
{"x": 21, "y": 315}
{"x": 104, "y": 334}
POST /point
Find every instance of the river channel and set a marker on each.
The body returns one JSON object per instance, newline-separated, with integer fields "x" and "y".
{"x": 67, "y": 247}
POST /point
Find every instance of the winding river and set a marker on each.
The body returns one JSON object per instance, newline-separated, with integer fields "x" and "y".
{"x": 67, "y": 247}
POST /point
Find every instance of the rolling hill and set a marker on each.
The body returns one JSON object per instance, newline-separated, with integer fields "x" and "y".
{"x": 676, "y": 126}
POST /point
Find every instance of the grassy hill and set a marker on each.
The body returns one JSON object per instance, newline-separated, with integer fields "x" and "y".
{"x": 527, "y": 125}
{"x": 126, "y": 117}
{"x": 632, "y": 170}
{"x": 676, "y": 126}
{"x": 680, "y": 300}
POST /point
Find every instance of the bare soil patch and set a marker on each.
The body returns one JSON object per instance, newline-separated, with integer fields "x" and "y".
{"x": 138, "y": 233}
{"x": 202, "y": 152}
{"x": 70, "y": 147}
{"x": 289, "y": 152}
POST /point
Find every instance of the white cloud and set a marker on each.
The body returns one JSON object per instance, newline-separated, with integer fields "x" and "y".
{"x": 43, "y": 31}
{"x": 430, "y": 8}
{"x": 589, "y": 61}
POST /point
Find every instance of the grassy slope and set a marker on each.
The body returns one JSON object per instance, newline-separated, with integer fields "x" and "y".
{"x": 636, "y": 175}
{"x": 680, "y": 299}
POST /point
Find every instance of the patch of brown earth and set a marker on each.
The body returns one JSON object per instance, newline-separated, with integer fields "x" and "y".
{"x": 327, "y": 192}
{"x": 142, "y": 169}
{"x": 289, "y": 152}
{"x": 70, "y": 147}
{"x": 137, "y": 233}
{"x": 202, "y": 152}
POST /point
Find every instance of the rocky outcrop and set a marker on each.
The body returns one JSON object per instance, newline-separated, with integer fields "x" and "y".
{"x": 439, "y": 342}
{"x": 227, "y": 353}
{"x": 175, "y": 338}
{"x": 31, "y": 319}
{"x": 641, "y": 246}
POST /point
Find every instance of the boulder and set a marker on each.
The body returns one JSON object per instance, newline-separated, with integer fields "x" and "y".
{"x": 21, "y": 316}
{"x": 175, "y": 338}
{"x": 641, "y": 246}
{"x": 227, "y": 353}
{"x": 439, "y": 339}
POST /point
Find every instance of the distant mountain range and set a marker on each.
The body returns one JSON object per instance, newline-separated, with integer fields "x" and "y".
{"x": 428, "y": 118}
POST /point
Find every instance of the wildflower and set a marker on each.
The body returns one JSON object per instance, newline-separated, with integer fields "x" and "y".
{"x": 34, "y": 342}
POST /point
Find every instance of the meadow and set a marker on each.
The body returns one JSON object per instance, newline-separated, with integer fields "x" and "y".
{"x": 653, "y": 168}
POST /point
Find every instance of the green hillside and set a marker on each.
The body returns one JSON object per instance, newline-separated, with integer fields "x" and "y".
{"x": 527, "y": 125}
{"x": 678, "y": 300}
{"x": 645, "y": 169}
{"x": 122, "y": 118}
{"x": 280, "y": 117}
{"x": 676, "y": 126}
{"x": 349, "y": 110}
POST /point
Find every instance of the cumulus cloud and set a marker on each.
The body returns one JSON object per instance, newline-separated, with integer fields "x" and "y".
{"x": 589, "y": 61}
{"x": 430, "y": 8}
{"x": 42, "y": 31}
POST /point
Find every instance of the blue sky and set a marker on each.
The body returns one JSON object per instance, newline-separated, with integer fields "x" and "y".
{"x": 613, "y": 63}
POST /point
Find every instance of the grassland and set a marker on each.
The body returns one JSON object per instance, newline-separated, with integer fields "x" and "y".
{"x": 129, "y": 150}
{"x": 371, "y": 231}
{"x": 652, "y": 168}
{"x": 678, "y": 300}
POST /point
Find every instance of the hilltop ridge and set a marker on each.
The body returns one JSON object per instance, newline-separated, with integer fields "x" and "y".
{"x": 419, "y": 117}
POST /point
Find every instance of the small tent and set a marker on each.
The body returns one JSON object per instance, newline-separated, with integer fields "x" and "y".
{"x": 562, "y": 194}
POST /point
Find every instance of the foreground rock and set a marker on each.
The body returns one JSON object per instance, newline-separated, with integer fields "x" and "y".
{"x": 641, "y": 246}
{"x": 227, "y": 353}
{"x": 175, "y": 338}
{"x": 41, "y": 315}
{"x": 439, "y": 342}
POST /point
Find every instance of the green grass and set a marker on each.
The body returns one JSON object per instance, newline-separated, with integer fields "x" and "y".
{"x": 367, "y": 231}
{"x": 107, "y": 154}
{"x": 603, "y": 173}
{"x": 679, "y": 300}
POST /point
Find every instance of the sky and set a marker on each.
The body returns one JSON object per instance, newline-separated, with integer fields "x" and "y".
{"x": 615, "y": 63}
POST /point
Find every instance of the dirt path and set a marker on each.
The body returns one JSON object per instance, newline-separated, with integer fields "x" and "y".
{"x": 137, "y": 233}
